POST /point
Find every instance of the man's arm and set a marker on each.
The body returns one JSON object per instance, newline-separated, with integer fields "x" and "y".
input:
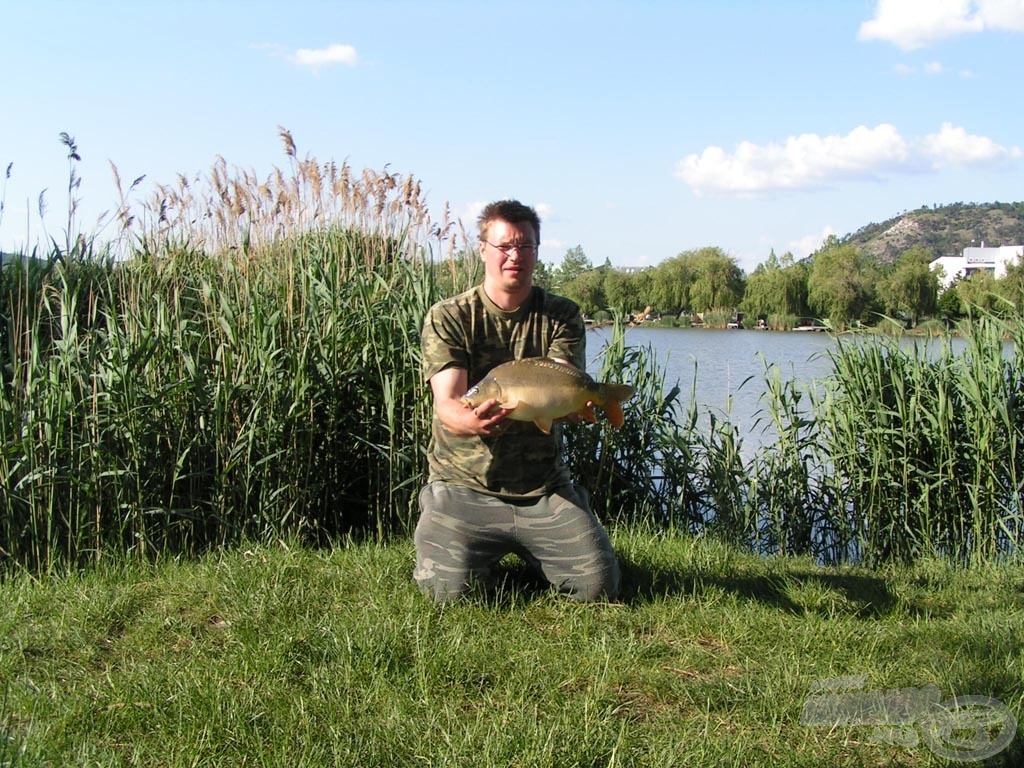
{"x": 448, "y": 386}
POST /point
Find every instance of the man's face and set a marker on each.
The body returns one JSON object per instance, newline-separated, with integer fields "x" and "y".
{"x": 507, "y": 266}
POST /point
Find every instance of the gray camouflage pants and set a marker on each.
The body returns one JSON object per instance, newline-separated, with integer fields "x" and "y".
{"x": 461, "y": 535}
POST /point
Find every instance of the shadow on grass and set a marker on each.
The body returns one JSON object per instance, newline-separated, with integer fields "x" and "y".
{"x": 796, "y": 592}
{"x": 799, "y": 592}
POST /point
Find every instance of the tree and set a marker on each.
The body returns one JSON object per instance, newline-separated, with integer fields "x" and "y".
{"x": 670, "y": 284}
{"x": 574, "y": 264}
{"x": 1012, "y": 285}
{"x": 912, "y": 287}
{"x": 718, "y": 280}
{"x": 840, "y": 284}
{"x": 777, "y": 287}
{"x": 948, "y": 304}
{"x": 587, "y": 290}
{"x": 620, "y": 291}
{"x": 543, "y": 275}
{"x": 696, "y": 280}
{"x": 980, "y": 291}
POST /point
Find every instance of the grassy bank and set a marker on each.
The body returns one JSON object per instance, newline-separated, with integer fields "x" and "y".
{"x": 287, "y": 656}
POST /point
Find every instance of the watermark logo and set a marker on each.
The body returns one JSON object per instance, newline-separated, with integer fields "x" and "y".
{"x": 963, "y": 728}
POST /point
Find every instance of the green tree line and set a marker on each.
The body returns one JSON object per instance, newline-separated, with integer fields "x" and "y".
{"x": 840, "y": 285}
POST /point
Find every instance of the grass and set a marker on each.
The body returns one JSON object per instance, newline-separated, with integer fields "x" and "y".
{"x": 278, "y": 655}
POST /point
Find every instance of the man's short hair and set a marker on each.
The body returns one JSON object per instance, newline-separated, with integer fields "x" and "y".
{"x": 511, "y": 211}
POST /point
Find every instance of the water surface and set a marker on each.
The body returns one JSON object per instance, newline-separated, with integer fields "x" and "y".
{"x": 725, "y": 369}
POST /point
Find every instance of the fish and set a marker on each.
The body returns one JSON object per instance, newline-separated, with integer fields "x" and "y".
{"x": 540, "y": 390}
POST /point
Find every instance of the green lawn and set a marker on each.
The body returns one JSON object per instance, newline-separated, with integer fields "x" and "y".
{"x": 286, "y": 656}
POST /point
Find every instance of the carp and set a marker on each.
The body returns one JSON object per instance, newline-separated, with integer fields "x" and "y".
{"x": 540, "y": 390}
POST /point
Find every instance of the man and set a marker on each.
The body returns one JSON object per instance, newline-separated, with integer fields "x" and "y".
{"x": 496, "y": 485}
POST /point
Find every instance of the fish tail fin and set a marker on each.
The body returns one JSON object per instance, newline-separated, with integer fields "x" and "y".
{"x": 618, "y": 392}
{"x": 612, "y": 396}
{"x": 613, "y": 410}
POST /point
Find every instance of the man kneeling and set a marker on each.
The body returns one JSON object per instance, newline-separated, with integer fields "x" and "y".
{"x": 496, "y": 485}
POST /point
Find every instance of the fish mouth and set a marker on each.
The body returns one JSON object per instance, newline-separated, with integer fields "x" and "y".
{"x": 467, "y": 399}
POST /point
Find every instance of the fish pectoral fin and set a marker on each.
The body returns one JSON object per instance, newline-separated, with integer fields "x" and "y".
{"x": 586, "y": 413}
{"x": 509, "y": 405}
{"x": 543, "y": 424}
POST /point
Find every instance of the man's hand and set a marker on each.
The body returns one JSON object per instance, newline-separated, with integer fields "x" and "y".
{"x": 490, "y": 418}
{"x": 485, "y": 420}
{"x": 586, "y": 413}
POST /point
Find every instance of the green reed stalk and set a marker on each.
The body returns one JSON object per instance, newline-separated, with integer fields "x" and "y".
{"x": 925, "y": 446}
{"x": 792, "y": 506}
{"x": 622, "y": 469}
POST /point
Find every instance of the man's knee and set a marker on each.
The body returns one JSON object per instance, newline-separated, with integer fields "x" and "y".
{"x": 448, "y": 566}
{"x": 594, "y": 585}
{"x": 440, "y": 590}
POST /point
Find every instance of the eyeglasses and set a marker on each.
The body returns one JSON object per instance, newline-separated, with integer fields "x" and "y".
{"x": 523, "y": 249}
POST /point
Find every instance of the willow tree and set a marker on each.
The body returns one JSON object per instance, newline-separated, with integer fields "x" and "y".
{"x": 697, "y": 280}
{"x": 670, "y": 284}
{"x": 622, "y": 290}
{"x": 587, "y": 290}
{"x": 718, "y": 281}
{"x": 840, "y": 285}
{"x": 776, "y": 287}
{"x": 911, "y": 287}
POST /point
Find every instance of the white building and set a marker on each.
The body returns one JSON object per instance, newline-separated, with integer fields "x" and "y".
{"x": 974, "y": 260}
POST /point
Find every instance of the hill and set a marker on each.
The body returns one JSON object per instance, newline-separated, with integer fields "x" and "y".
{"x": 944, "y": 230}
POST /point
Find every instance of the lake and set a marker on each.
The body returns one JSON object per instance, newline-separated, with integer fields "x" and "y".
{"x": 729, "y": 365}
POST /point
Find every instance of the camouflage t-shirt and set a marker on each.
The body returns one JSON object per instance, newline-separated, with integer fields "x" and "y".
{"x": 469, "y": 331}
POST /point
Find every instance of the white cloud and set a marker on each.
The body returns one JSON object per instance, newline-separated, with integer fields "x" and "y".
{"x": 809, "y": 161}
{"x": 911, "y": 24}
{"x": 544, "y": 210}
{"x": 929, "y": 68}
{"x": 1002, "y": 14}
{"x": 952, "y": 145}
{"x": 801, "y": 162}
{"x": 314, "y": 58}
{"x": 808, "y": 244}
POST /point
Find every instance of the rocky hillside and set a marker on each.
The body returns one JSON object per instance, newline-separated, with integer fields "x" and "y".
{"x": 944, "y": 230}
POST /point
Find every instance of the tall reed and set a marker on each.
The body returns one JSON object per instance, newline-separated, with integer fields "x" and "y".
{"x": 213, "y": 385}
{"x": 621, "y": 469}
{"x": 662, "y": 466}
{"x": 924, "y": 445}
{"x": 902, "y": 451}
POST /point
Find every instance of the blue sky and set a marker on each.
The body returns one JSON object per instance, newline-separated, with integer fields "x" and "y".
{"x": 638, "y": 129}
